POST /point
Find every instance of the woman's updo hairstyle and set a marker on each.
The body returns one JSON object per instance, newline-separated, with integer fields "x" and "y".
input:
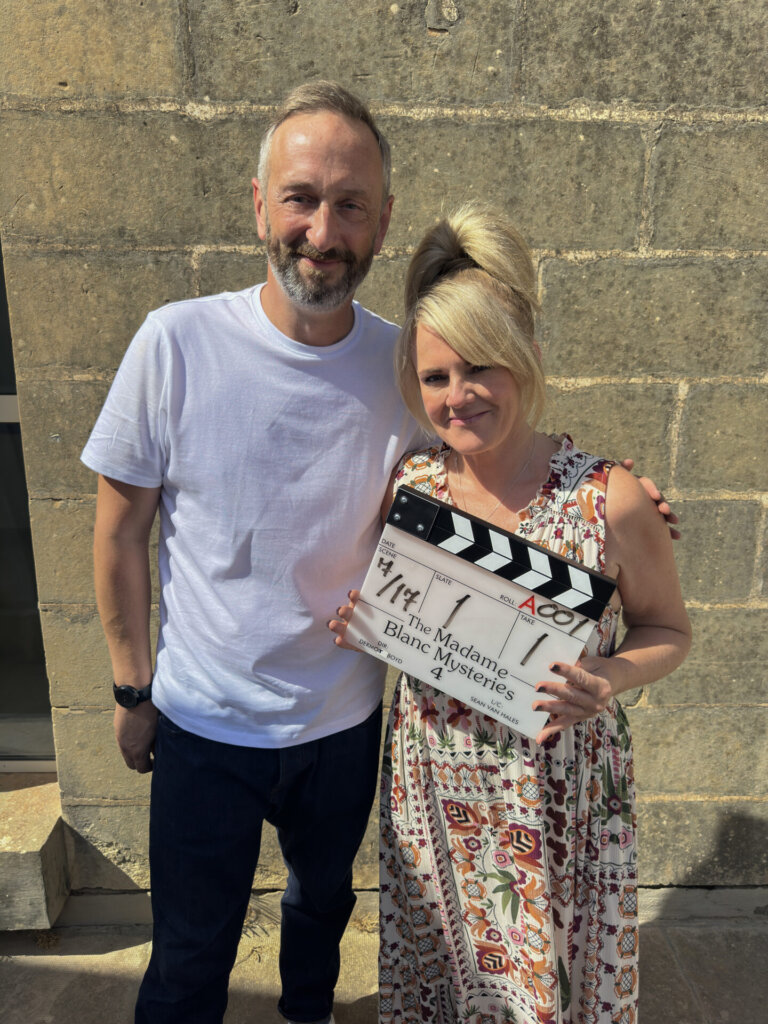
{"x": 472, "y": 282}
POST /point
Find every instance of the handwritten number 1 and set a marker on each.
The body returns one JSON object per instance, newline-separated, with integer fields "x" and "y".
{"x": 388, "y": 585}
{"x": 458, "y": 605}
{"x": 577, "y": 627}
{"x": 533, "y": 647}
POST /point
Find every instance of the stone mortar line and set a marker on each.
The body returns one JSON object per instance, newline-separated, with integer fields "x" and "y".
{"x": 714, "y": 494}
{"x": 723, "y": 606}
{"x": 745, "y": 924}
{"x": 758, "y": 497}
{"x": 20, "y": 245}
{"x": 758, "y": 888}
{"x": 757, "y": 580}
{"x": 196, "y": 266}
{"x": 101, "y": 801}
{"x": 196, "y": 252}
{"x": 637, "y": 256}
{"x": 575, "y": 113}
{"x": 85, "y": 709}
{"x": 73, "y": 607}
{"x": 731, "y": 708}
{"x": 541, "y": 289}
{"x": 189, "y": 67}
{"x": 65, "y": 374}
{"x": 704, "y": 798}
{"x": 100, "y": 709}
{"x": 677, "y": 379}
{"x": 646, "y": 225}
{"x": 675, "y": 428}
{"x": 84, "y": 500}
{"x": 519, "y": 39}
{"x": 25, "y": 245}
{"x": 709, "y": 705}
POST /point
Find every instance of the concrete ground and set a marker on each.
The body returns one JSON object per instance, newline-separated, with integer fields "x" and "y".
{"x": 703, "y": 957}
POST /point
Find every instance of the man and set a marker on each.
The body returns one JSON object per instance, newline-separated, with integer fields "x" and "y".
{"x": 263, "y": 426}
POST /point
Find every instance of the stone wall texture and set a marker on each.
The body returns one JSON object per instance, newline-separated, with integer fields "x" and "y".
{"x": 628, "y": 139}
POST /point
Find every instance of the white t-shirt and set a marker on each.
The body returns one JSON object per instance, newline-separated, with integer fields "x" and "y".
{"x": 273, "y": 458}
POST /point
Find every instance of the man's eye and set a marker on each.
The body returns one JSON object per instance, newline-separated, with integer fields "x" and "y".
{"x": 354, "y": 212}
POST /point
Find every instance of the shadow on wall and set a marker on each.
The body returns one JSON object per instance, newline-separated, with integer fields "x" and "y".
{"x": 703, "y": 953}
{"x": 739, "y": 853}
{"x": 104, "y": 874}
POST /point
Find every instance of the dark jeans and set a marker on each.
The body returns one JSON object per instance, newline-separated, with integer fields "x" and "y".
{"x": 208, "y": 803}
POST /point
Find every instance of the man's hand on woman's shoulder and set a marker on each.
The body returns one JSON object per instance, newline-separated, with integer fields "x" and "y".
{"x": 653, "y": 492}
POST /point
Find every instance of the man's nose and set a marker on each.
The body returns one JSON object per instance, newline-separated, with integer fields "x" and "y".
{"x": 322, "y": 232}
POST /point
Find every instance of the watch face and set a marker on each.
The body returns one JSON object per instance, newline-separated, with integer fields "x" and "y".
{"x": 126, "y": 696}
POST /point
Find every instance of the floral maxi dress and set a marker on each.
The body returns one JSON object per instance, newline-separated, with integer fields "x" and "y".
{"x": 508, "y": 878}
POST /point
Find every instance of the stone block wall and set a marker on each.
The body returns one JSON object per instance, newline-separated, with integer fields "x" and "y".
{"x": 629, "y": 141}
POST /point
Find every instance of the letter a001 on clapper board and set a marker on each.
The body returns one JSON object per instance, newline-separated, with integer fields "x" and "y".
{"x": 476, "y": 612}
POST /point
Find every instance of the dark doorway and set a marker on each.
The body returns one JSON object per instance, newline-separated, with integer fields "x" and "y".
{"x": 26, "y": 736}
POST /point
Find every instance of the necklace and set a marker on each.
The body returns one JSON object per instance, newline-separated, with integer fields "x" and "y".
{"x": 487, "y": 515}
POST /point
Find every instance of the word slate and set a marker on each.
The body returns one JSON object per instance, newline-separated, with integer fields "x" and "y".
{"x": 477, "y": 612}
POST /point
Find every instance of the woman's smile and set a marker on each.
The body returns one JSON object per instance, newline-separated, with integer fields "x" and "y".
{"x": 466, "y": 419}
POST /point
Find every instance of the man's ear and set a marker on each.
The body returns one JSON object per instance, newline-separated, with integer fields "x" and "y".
{"x": 260, "y": 206}
{"x": 386, "y": 214}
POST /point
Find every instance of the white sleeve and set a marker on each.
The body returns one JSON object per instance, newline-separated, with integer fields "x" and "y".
{"x": 129, "y": 440}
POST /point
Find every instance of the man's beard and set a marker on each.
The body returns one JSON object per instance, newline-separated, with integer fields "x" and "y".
{"x": 311, "y": 289}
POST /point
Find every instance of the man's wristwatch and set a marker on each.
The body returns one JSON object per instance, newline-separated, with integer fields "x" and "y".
{"x": 129, "y": 696}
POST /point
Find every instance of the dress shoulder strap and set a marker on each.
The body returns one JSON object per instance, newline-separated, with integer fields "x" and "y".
{"x": 423, "y": 470}
{"x": 577, "y": 484}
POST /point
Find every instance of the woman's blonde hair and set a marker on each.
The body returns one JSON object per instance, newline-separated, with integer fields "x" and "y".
{"x": 472, "y": 282}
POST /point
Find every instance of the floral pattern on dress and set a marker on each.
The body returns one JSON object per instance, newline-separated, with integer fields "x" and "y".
{"x": 508, "y": 877}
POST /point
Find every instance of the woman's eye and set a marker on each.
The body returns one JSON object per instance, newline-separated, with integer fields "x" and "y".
{"x": 433, "y": 378}
{"x": 479, "y": 369}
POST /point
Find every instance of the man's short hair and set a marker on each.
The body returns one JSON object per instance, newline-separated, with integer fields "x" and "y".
{"x": 312, "y": 97}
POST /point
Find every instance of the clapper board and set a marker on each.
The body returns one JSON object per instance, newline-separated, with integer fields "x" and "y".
{"x": 473, "y": 610}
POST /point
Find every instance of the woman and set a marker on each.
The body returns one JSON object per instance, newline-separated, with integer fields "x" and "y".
{"x": 508, "y": 879}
